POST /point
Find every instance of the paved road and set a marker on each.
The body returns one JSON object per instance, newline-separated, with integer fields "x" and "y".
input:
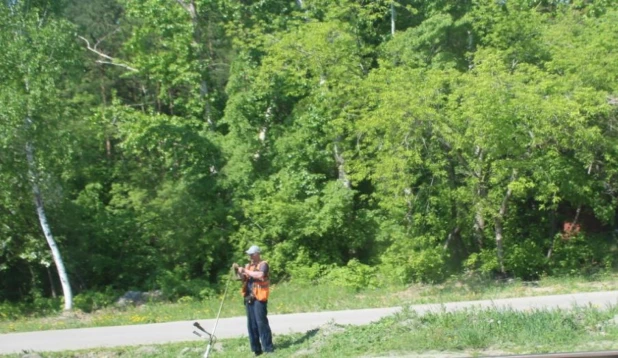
{"x": 72, "y": 339}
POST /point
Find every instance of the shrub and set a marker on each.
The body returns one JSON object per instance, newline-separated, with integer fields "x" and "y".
{"x": 308, "y": 273}
{"x": 526, "y": 260}
{"x": 484, "y": 262}
{"x": 419, "y": 265}
{"x": 581, "y": 254}
{"x": 37, "y": 306}
{"x": 428, "y": 265}
{"x": 11, "y": 311}
{"x": 176, "y": 284}
{"x": 89, "y": 301}
{"x": 355, "y": 275}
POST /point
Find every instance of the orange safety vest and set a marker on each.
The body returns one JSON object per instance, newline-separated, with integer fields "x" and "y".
{"x": 260, "y": 286}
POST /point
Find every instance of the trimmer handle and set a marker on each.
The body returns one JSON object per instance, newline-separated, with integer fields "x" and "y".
{"x": 198, "y": 326}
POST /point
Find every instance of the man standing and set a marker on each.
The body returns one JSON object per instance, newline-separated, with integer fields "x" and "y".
{"x": 255, "y": 290}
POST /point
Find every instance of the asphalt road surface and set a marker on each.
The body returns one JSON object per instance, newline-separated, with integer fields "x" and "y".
{"x": 157, "y": 333}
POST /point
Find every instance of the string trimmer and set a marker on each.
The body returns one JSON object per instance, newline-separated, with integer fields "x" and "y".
{"x": 211, "y": 336}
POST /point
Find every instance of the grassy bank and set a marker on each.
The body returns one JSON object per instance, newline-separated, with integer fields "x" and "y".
{"x": 471, "y": 333}
{"x": 289, "y": 298}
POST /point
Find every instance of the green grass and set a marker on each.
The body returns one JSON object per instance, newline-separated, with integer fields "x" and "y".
{"x": 291, "y": 298}
{"x": 470, "y": 332}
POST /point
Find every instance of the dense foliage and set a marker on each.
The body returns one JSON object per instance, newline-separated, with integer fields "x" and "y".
{"x": 347, "y": 137}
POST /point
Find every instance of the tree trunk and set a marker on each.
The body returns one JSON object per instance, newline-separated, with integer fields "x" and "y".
{"x": 498, "y": 222}
{"x": 553, "y": 240}
{"x": 551, "y": 232}
{"x": 52, "y": 285}
{"x": 481, "y": 192}
{"x": 38, "y": 201}
{"x": 455, "y": 234}
{"x": 343, "y": 176}
{"x": 452, "y": 236}
{"x": 410, "y": 204}
{"x": 393, "y": 14}
{"x": 577, "y": 212}
{"x": 108, "y": 140}
{"x": 499, "y": 235}
{"x": 479, "y": 226}
{"x": 202, "y": 56}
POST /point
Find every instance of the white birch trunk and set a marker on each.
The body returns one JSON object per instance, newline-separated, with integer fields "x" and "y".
{"x": 343, "y": 176}
{"x": 40, "y": 210}
{"x": 393, "y": 14}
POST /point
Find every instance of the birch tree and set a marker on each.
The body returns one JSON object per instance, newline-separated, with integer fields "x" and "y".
{"x": 37, "y": 53}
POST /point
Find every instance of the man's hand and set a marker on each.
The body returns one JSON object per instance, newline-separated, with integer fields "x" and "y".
{"x": 237, "y": 270}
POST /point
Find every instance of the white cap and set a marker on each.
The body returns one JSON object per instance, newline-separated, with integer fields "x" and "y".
{"x": 253, "y": 250}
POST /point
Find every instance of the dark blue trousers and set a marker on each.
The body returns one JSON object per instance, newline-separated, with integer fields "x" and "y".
{"x": 259, "y": 329}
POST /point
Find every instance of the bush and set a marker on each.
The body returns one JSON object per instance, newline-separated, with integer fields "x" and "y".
{"x": 484, "y": 262}
{"x": 424, "y": 265}
{"x": 38, "y": 306}
{"x": 581, "y": 254}
{"x": 89, "y": 301}
{"x": 428, "y": 265}
{"x": 309, "y": 273}
{"x": 526, "y": 260}
{"x": 355, "y": 275}
{"x": 43, "y": 306}
{"x": 11, "y": 311}
{"x": 176, "y": 284}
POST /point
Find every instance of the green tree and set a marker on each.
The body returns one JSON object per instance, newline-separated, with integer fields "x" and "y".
{"x": 38, "y": 51}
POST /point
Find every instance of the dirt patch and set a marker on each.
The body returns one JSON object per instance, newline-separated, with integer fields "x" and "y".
{"x": 320, "y": 338}
{"x": 410, "y": 293}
